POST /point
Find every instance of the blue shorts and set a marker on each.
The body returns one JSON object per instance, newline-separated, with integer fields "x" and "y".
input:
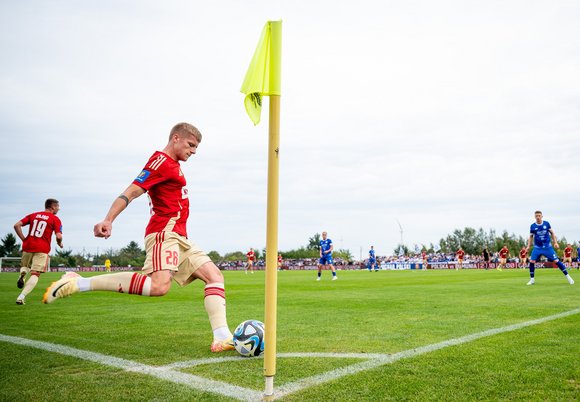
{"x": 547, "y": 252}
{"x": 326, "y": 259}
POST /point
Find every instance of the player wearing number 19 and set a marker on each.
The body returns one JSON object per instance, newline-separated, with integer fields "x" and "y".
{"x": 169, "y": 253}
{"x": 36, "y": 245}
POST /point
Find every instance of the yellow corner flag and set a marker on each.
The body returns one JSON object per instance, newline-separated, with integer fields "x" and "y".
{"x": 263, "y": 79}
{"x": 263, "y": 75}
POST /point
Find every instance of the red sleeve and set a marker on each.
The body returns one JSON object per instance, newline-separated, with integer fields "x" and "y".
{"x": 57, "y": 225}
{"x": 148, "y": 178}
{"x": 26, "y": 220}
{"x": 154, "y": 172}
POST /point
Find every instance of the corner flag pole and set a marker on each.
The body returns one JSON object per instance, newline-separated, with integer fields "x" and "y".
{"x": 272, "y": 246}
{"x": 263, "y": 79}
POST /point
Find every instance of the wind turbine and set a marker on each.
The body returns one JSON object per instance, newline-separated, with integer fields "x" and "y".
{"x": 401, "y": 231}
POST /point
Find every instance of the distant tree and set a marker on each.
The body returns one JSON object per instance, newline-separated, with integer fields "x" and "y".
{"x": 132, "y": 255}
{"x": 300, "y": 253}
{"x": 63, "y": 257}
{"x": 10, "y": 246}
{"x": 260, "y": 254}
{"x": 405, "y": 251}
{"x": 473, "y": 241}
{"x": 314, "y": 242}
{"x": 235, "y": 256}
{"x": 215, "y": 256}
{"x": 345, "y": 254}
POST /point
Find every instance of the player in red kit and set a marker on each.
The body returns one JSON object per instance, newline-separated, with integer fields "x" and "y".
{"x": 36, "y": 245}
{"x": 279, "y": 261}
{"x": 503, "y": 255}
{"x": 568, "y": 255}
{"x": 424, "y": 258}
{"x": 523, "y": 257}
{"x": 251, "y": 255}
{"x": 460, "y": 254}
{"x": 170, "y": 254}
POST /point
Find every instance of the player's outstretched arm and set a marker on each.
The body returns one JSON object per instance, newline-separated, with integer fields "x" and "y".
{"x": 104, "y": 228}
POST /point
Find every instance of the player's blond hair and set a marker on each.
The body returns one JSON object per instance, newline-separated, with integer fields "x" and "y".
{"x": 185, "y": 128}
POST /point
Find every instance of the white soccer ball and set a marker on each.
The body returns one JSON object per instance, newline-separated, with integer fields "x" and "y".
{"x": 249, "y": 338}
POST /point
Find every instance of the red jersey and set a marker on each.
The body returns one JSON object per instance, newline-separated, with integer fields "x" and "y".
{"x": 460, "y": 254}
{"x": 250, "y": 255}
{"x": 164, "y": 182}
{"x": 568, "y": 252}
{"x": 503, "y": 253}
{"x": 280, "y": 259}
{"x": 424, "y": 255}
{"x": 523, "y": 253}
{"x": 42, "y": 226}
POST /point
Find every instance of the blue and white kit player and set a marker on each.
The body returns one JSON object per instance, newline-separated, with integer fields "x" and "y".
{"x": 326, "y": 248}
{"x": 543, "y": 236}
{"x": 372, "y": 260}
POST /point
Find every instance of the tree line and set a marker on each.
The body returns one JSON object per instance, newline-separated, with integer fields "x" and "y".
{"x": 133, "y": 255}
{"x": 471, "y": 240}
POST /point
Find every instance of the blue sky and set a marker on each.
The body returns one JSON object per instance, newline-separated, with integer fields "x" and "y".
{"x": 438, "y": 114}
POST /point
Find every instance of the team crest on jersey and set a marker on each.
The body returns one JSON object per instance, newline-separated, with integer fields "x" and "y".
{"x": 143, "y": 176}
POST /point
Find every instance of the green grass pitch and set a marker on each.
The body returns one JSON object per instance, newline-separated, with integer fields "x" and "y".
{"x": 376, "y": 313}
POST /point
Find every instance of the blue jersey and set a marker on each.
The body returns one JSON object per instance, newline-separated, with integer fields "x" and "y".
{"x": 325, "y": 246}
{"x": 372, "y": 254}
{"x": 541, "y": 234}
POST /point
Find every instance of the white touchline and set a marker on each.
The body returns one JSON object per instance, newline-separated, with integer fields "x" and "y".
{"x": 190, "y": 380}
{"x": 168, "y": 372}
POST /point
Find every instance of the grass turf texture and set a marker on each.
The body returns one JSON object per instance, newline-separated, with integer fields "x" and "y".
{"x": 362, "y": 312}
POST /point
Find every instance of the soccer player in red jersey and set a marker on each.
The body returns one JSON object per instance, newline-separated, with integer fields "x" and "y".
{"x": 503, "y": 255}
{"x": 36, "y": 245}
{"x": 460, "y": 254}
{"x": 568, "y": 254}
{"x": 169, "y": 253}
{"x": 523, "y": 257}
{"x": 424, "y": 258}
{"x": 279, "y": 261}
{"x": 251, "y": 257}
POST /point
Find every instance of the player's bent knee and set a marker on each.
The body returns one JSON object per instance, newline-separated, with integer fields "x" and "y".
{"x": 159, "y": 289}
{"x": 160, "y": 283}
{"x": 209, "y": 273}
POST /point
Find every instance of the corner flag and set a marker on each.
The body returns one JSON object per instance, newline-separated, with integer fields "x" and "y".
{"x": 263, "y": 79}
{"x": 263, "y": 75}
